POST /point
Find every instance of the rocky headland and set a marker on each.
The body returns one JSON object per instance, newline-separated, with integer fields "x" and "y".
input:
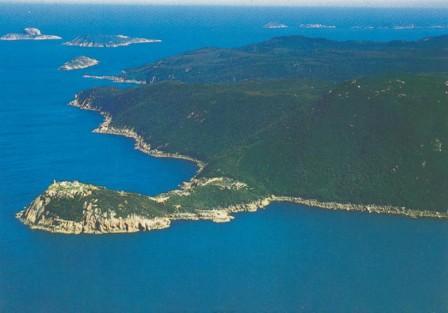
{"x": 46, "y": 211}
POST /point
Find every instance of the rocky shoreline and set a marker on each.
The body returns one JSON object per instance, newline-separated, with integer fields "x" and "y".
{"x": 140, "y": 144}
{"x": 97, "y": 224}
{"x": 367, "y": 208}
{"x": 94, "y": 221}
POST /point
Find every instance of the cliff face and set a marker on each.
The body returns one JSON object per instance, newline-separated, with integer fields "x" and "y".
{"x": 43, "y": 213}
{"x": 93, "y": 222}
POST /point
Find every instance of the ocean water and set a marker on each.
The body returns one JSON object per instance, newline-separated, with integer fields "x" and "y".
{"x": 283, "y": 259}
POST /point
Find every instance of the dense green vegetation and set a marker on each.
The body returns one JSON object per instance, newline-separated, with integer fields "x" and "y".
{"x": 204, "y": 121}
{"x": 62, "y": 202}
{"x": 297, "y": 57}
{"x": 66, "y": 208}
{"x": 381, "y": 143}
{"x": 375, "y": 140}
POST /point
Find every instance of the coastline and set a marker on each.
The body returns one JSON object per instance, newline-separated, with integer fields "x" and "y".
{"x": 364, "y": 208}
{"x": 140, "y": 144}
{"x": 94, "y": 223}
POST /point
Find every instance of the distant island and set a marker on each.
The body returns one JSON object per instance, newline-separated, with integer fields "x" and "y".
{"x": 275, "y": 25}
{"x": 400, "y": 27}
{"x": 108, "y": 41}
{"x": 317, "y": 26}
{"x": 78, "y": 63}
{"x": 291, "y": 119}
{"x": 29, "y": 33}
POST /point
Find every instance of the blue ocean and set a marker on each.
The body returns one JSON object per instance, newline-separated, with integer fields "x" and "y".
{"x": 284, "y": 259}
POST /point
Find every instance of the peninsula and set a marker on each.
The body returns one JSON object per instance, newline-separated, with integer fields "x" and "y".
{"x": 375, "y": 142}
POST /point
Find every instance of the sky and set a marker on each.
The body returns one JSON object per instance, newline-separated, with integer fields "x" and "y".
{"x": 345, "y": 3}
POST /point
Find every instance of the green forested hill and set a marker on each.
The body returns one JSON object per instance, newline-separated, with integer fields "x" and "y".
{"x": 297, "y": 57}
{"x": 375, "y": 140}
{"x": 205, "y": 121}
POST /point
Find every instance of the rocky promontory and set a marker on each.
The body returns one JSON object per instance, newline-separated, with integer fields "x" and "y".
{"x": 42, "y": 213}
{"x": 75, "y": 208}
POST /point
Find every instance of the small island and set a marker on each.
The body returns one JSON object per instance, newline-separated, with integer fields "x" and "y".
{"x": 108, "y": 41}
{"x": 78, "y": 63}
{"x": 275, "y": 25}
{"x": 29, "y": 33}
{"x": 323, "y": 132}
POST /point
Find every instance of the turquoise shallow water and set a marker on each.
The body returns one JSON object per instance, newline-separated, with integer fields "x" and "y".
{"x": 284, "y": 259}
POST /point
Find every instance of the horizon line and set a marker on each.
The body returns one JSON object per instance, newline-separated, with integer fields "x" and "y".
{"x": 253, "y": 5}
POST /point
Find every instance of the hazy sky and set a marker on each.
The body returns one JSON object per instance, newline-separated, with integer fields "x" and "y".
{"x": 357, "y": 3}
